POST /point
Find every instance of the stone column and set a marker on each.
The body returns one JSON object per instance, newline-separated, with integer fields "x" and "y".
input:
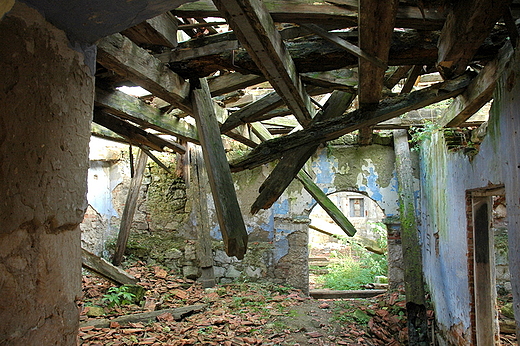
{"x": 395, "y": 253}
{"x": 46, "y": 100}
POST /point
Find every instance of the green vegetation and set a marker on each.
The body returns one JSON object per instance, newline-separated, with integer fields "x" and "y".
{"x": 118, "y": 296}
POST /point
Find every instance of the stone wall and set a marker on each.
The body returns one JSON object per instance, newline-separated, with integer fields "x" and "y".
{"x": 46, "y": 98}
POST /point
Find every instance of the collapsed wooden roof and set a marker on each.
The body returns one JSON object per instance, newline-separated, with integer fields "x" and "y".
{"x": 372, "y": 51}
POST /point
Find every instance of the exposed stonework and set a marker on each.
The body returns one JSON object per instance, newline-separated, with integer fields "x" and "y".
{"x": 46, "y": 98}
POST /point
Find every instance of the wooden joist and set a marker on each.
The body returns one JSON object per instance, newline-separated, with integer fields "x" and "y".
{"x": 141, "y": 113}
{"x": 228, "y": 211}
{"x": 158, "y": 31}
{"x": 342, "y": 79}
{"x": 121, "y": 55}
{"x": 334, "y": 128}
{"x": 134, "y": 134}
{"x": 231, "y": 82}
{"x": 478, "y": 93}
{"x": 333, "y": 13}
{"x": 468, "y": 24}
{"x": 103, "y": 268}
{"x": 255, "y": 30}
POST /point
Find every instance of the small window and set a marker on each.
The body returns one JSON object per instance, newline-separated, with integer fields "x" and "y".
{"x": 357, "y": 207}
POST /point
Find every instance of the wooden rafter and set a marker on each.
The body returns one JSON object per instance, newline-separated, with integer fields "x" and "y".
{"x": 468, "y": 24}
{"x": 337, "y": 127}
{"x": 256, "y": 32}
{"x": 157, "y": 31}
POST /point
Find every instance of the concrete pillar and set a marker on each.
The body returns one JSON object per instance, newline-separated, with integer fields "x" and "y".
{"x": 46, "y": 100}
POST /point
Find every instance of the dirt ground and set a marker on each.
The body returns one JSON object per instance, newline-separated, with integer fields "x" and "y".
{"x": 236, "y": 314}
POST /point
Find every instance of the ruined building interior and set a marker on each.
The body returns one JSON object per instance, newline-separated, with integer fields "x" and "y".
{"x": 334, "y": 75}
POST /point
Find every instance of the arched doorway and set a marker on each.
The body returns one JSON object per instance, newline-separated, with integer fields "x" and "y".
{"x": 337, "y": 261}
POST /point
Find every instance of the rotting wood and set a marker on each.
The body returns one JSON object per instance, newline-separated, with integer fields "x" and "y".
{"x": 158, "y": 31}
{"x": 412, "y": 79}
{"x": 324, "y": 12}
{"x": 143, "y": 317}
{"x": 121, "y": 55}
{"x": 102, "y": 267}
{"x": 412, "y": 259}
{"x": 334, "y": 128}
{"x": 294, "y": 160}
{"x": 231, "y": 82}
{"x": 130, "y": 207}
{"x": 395, "y": 77}
{"x": 255, "y": 29}
{"x": 467, "y": 25}
{"x": 344, "y": 294}
{"x": 478, "y": 93}
{"x": 156, "y": 160}
{"x": 134, "y": 134}
{"x": 349, "y": 47}
{"x": 227, "y": 208}
{"x": 342, "y": 79}
{"x": 141, "y": 113}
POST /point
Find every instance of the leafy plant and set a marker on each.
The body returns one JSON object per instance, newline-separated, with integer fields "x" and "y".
{"x": 423, "y": 133}
{"x": 118, "y": 296}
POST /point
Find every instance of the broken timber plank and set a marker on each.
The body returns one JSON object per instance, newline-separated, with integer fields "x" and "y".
{"x": 349, "y": 47}
{"x": 177, "y": 313}
{"x": 294, "y": 160}
{"x": 121, "y": 55}
{"x": 159, "y": 31}
{"x": 134, "y": 134}
{"x": 227, "y": 208}
{"x": 345, "y": 294}
{"x": 412, "y": 258}
{"x": 141, "y": 113}
{"x": 129, "y": 210}
{"x": 467, "y": 25}
{"x": 337, "y": 127}
{"x": 102, "y": 267}
{"x": 232, "y": 81}
{"x": 255, "y": 29}
{"x": 478, "y": 93}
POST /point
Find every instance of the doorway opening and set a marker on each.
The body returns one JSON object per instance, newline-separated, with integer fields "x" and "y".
{"x": 488, "y": 267}
{"x": 340, "y": 262}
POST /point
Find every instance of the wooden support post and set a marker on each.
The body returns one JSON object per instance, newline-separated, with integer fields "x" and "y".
{"x": 130, "y": 206}
{"x": 228, "y": 210}
{"x": 412, "y": 258}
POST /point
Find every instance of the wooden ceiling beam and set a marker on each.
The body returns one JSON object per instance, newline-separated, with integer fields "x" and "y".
{"x": 120, "y": 54}
{"x": 157, "y": 31}
{"x": 468, "y": 24}
{"x": 478, "y": 93}
{"x": 255, "y": 30}
{"x": 334, "y": 128}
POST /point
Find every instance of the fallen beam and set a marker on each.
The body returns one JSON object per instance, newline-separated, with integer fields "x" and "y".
{"x": 339, "y": 126}
{"x": 144, "y": 317}
{"x": 346, "y": 294}
{"x": 103, "y": 268}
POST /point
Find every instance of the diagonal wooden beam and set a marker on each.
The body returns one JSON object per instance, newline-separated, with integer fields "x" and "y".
{"x": 412, "y": 78}
{"x": 232, "y": 81}
{"x": 294, "y": 160}
{"x": 121, "y": 55}
{"x": 467, "y": 25}
{"x": 478, "y": 93}
{"x": 141, "y": 113}
{"x": 339, "y": 126}
{"x": 160, "y": 31}
{"x": 255, "y": 30}
{"x": 227, "y": 208}
{"x": 349, "y": 47}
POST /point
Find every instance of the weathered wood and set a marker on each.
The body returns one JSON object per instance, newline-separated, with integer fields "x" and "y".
{"x": 158, "y": 31}
{"x": 255, "y": 29}
{"x": 412, "y": 78}
{"x": 294, "y": 160}
{"x": 102, "y": 267}
{"x": 395, "y": 77}
{"x": 343, "y": 79}
{"x": 231, "y": 82}
{"x": 134, "y": 134}
{"x": 467, "y": 25}
{"x": 129, "y": 210}
{"x": 334, "y": 128}
{"x": 478, "y": 93}
{"x": 141, "y": 113}
{"x": 144, "y": 317}
{"x": 337, "y": 294}
{"x": 156, "y": 160}
{"x": 121, "y": 55}
{"x": 412, "y": 259}
{"x": 323, "y": 12}
{"x": 349, "y": 47}
{"x": 407, "y": 48}
{"x": 227, "y": 208}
